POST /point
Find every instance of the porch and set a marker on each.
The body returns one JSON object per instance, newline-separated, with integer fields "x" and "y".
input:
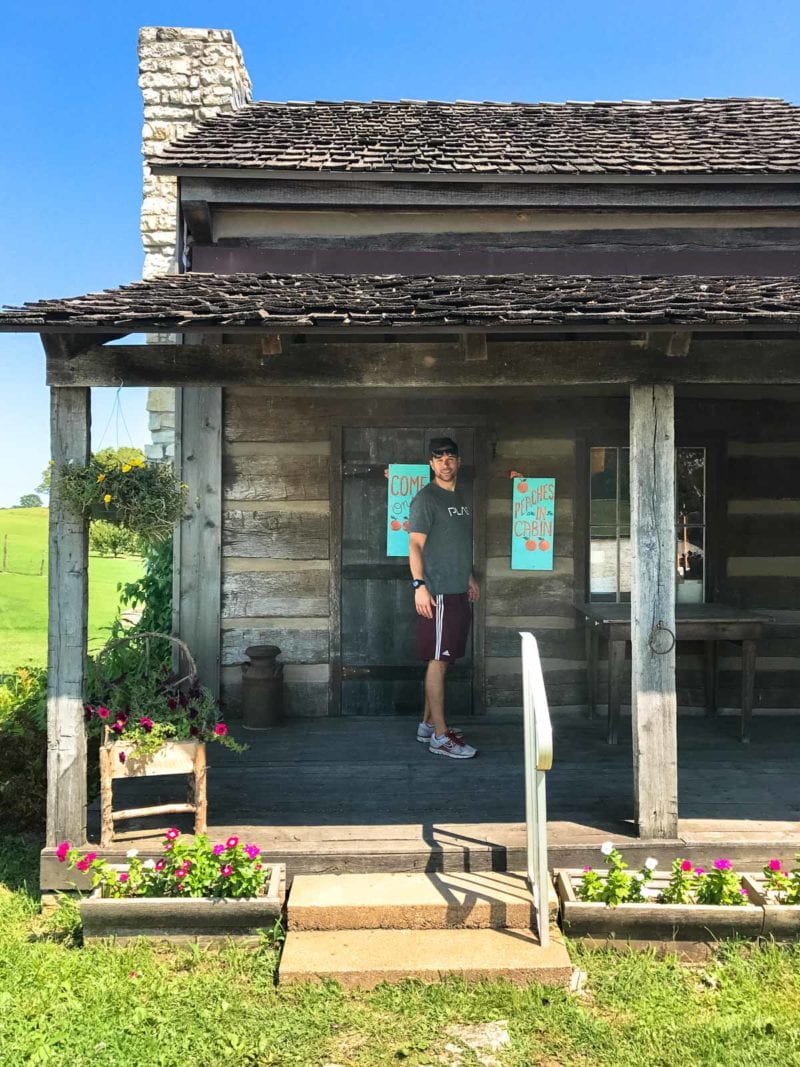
{"x": 352, "y": 794}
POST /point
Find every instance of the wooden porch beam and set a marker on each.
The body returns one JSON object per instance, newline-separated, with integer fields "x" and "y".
{"x": 70, "y": 423}
{"x": 430, "y": 364}
{"x": 654, "y": 703}
{"x": 197, "y": 588}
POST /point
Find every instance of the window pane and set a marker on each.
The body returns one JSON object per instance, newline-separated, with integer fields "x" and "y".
{"x": 603, "y": 562}
{"x": 690, "y": 483}
{"x": 625, "y": 560}
{"x": 603, "y": 486}
{"x": 624, "y": 514}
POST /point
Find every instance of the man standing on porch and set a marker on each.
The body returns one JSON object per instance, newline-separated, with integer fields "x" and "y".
{"x": 440, "y": 557}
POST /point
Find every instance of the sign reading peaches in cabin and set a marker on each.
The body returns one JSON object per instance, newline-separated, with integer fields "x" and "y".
{"x": 533, "y": 524}
{"x": 405, "y": 481}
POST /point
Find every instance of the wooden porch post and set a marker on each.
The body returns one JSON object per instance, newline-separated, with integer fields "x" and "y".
{"x": 70, "y": 423}
{"x": 198, "y": 540}
{"x": 654, "y": 703}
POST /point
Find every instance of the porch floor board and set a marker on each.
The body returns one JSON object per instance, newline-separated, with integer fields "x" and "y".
{"x": 362, "y": 794}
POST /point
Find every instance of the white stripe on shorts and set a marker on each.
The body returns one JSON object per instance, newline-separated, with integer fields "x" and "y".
{"x": 439, "y": 624}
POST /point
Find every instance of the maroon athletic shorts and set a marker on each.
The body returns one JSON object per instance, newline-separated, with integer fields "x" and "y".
{"x": 444, "y": 636}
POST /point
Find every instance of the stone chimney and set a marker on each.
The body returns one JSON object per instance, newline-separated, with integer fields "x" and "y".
{"x": 185, "y": 76}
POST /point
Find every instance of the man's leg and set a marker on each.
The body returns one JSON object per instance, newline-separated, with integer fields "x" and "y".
{"x": 434, "y": 695}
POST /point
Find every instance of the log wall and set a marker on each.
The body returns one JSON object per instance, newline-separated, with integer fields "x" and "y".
{"x": 277, "y": 532}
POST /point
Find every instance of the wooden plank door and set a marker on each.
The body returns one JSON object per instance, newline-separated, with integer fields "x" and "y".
{"x": 380, "y": 672}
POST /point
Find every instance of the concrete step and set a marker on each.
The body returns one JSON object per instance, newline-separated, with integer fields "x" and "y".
{"x": 411, "y": 901}
{"x": 363, "y": 958}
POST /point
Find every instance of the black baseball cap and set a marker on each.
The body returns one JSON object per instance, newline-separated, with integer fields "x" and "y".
{"x": 442, "y": 444}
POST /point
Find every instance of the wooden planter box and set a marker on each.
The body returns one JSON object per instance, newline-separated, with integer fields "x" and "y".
{"x": 203, "y": 920}
{"x": 781, "y": 921}
{"x": 655, "y": 922}
{"x": 174, "y": 757}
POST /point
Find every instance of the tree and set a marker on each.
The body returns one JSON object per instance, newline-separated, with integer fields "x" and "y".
{"x": 30, "y": 500}
{"x": 106, "y": 539}
{"x": 108, "y": 457}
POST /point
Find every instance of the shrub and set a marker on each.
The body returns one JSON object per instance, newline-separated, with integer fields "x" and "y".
{"x": 152, "y": 592}
{"x": 23, "y": 748}
{"x": 106, "y": 539}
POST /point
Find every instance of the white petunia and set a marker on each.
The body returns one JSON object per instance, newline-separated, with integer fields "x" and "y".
{"x": 607, "y": 848}
{"x": 638, "y": 877}
{"x": 132, "y": 853}
{"x": 149, "y": 864}
{"x": 651, "y": 863}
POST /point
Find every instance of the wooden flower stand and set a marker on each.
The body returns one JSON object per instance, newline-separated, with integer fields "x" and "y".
{"x": 174, "y": 757}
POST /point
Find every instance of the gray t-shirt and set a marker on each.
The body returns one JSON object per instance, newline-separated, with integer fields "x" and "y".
{"x": 446, "y": 520}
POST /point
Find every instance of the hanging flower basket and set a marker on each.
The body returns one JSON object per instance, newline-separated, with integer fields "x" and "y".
{"x": 145, "y": 498}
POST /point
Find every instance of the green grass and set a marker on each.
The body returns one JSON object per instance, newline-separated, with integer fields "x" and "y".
{"x": 23, "y": 591}
{"x": 99, "y": 1006}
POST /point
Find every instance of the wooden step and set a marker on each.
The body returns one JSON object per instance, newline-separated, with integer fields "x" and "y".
{"x": 411, "y": 901}
{"x": 363, "y": 958}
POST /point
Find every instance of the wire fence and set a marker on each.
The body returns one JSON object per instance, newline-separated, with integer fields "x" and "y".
{"x": 16, "y": 557}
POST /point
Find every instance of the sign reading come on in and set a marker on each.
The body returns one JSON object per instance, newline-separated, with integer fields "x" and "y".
{"x": 405, "y": 481}
{"x": 533, "y": 524}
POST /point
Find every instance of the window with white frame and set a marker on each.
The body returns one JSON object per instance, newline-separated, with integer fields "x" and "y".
{"x": 609, "y": 524}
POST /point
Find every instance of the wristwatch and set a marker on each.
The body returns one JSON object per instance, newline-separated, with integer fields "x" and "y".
{"x": 417, "y": 582}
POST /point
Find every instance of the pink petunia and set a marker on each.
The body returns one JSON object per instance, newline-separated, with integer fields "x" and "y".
{"x": 122, "y": 757}
{"x": 118, "y": 727}
{"x": 232, "y": 842}
{"x": 218, "y": 850}
{"x": 181, "y": 873}
{"x": 686, "y": 865}
{"x": 168, "y": 846}
{"x": 699, "y": 870}
{"x": 172, "y": 704}
{"x": 226, "y": 871}
{"x": 103, "y": 712}
{"x": 82, "y": 865}
{"x": 172, "y": 834}
{"x": 252, "y": 851}
{"x": 123, "y": 877}
{"x": 61, "y": 851}
{"x": 160, "y": 865}
{"x": 146, "y": 724}
{"x": 723, "y": 864}
{"x": 220, "y": 729}
{"x": 258, "y": 866}
{"x": 774, "y": 865}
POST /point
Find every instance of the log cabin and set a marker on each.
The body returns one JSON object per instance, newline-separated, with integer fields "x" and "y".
{"x": 602, "y": 293}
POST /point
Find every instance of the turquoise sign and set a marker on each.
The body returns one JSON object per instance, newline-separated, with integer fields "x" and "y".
{"x": 533, "y": 524}
{"x": 405, "y": 481}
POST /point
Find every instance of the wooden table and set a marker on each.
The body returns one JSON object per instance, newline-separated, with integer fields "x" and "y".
{"x": 709, "y": 623}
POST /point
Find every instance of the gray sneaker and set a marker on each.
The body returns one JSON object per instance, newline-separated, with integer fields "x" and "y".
{"x": 452, "y": 745}
{"x": 425, "y": 733}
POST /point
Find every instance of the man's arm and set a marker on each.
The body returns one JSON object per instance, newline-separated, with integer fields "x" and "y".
{"x": 423, "y": 601}
{"x": 473, "y": 588}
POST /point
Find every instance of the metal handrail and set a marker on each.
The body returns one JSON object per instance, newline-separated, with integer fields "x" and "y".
{"x": 538, "y": 760}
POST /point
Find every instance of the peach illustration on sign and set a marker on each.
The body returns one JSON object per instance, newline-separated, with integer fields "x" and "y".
{"x": 531, "y": 546}
{"x": 522, "y": 487}
{"x": 544, "y": 545}
{"x": 405, "y": 526}
{"x": 395, "y": 524}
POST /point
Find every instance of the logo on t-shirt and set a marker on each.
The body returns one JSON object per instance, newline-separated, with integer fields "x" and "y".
{"x": 458, "y": 511}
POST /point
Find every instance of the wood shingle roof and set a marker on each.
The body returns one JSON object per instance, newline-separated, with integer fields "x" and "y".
{"x": 197, "y": 301}
{"x": 636, "y": 138}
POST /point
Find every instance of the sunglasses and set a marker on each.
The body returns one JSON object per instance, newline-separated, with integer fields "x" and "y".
{"x": 440, "y": 453}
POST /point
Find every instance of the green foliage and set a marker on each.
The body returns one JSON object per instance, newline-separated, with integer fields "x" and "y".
{"x": 145, "y": 499}
{"x": 134, "y": 696}
{"x": 30, "y": 500}
{"x": 152, "y": 592}
{"x": 107, "y": 457}
{"x": 106, "y": 539}
{"x": 681, "y": 885}
{"x": 783, "y": 885}
{"x": 187, "y": 868}
{"x": 23, "y": 748}
{"x": 617, "y": 886}
{"x": 720, "y": 885}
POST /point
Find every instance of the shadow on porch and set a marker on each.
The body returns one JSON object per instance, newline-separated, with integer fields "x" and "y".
{"x": 363, "y": 794}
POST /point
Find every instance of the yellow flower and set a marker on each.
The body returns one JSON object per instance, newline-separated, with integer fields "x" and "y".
{"x": 137, "y": 462}
{"x": 107, "y": 498}
{"x": 101, "y": 477}
{"x": 126, "y": 467}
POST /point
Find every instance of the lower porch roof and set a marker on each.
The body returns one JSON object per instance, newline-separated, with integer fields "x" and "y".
{"x": 415, "y": 304}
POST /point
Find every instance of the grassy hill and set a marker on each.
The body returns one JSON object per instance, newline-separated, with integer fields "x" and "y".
{"x": 23, "y": 590}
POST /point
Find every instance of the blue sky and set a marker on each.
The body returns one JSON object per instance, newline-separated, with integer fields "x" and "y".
{"x": 70, "y": 172}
